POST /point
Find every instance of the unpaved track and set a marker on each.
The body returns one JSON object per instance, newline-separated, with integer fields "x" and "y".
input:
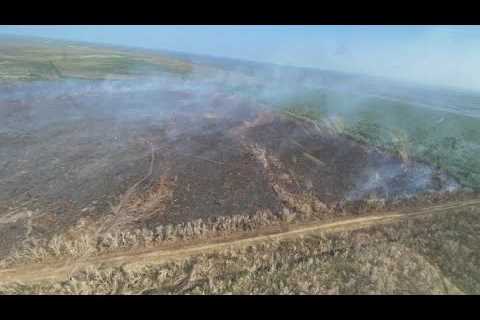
{"x": 136, "y": 258}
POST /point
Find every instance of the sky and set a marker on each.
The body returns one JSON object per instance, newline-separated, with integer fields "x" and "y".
{"x": 435, "y": 55}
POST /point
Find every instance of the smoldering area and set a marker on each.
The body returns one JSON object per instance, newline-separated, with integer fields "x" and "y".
{"x": 70, "y": 149}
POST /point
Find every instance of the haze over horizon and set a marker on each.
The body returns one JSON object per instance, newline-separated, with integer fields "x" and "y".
{"x": 431, "y": 55}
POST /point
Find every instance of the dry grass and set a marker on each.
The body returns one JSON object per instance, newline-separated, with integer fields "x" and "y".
{"x": 401, "y": 144}
{"x": 335, "y": 125}
{"x": 64, "y": 246}
{"x": 302, "y": 208}
{"x": 412, "y": 256}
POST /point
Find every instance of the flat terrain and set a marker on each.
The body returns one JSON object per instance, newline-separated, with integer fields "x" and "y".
{"x": 114, "y": 155}
{"x": 443, "y": 137}
{"x": 138, "y": 259}
{"x": 168, "y": 153}
{"x": 44, "y": 59}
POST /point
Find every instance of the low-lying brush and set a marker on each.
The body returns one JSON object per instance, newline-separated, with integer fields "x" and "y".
{"x": 412, "y": 256}
{"x": 303, "y": 209}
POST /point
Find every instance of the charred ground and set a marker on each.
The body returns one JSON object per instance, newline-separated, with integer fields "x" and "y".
{"x": 121, "y": 159}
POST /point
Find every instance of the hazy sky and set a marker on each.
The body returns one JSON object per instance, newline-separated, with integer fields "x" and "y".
{"x": 428, "y": 54}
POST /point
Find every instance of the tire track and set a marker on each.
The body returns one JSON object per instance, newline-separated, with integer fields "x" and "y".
{"x": 135, "y": 258}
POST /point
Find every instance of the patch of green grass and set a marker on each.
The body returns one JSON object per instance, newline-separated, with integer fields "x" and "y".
{"x": 446, "y": 140}
{"x": 30, "y": 60}
{"x": 116, "y": 65}
{"x": 22, "y": 70}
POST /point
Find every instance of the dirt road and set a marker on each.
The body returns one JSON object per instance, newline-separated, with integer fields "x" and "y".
{"x": 135, "y": 258}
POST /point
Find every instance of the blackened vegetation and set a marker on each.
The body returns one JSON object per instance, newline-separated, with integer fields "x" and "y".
{"x": 68, "y": 164}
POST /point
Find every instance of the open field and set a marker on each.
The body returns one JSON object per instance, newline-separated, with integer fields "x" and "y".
{"x": 110, "y": 160}
{"x": 111, "y": 156}
{"x": 22, "y": 60}
{"x": 448, "y": 140}
{"x": 388, "y": 253}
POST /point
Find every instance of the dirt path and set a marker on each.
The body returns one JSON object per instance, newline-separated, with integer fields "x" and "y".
{"x": 136, "y": 258}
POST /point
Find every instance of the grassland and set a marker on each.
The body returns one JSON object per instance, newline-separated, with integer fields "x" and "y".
{"x": 432, "y": 254}
{"x": 22, "y": 60}
{"x": 447, "y": 140}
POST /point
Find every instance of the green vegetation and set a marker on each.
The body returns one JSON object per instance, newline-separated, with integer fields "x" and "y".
{"x": 306, "y": 111}
{"x": 37, "y": 60}
{"x": 447, "y": 140}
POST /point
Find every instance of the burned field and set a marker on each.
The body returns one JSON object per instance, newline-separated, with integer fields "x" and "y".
{"x": 109, "y": 156}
